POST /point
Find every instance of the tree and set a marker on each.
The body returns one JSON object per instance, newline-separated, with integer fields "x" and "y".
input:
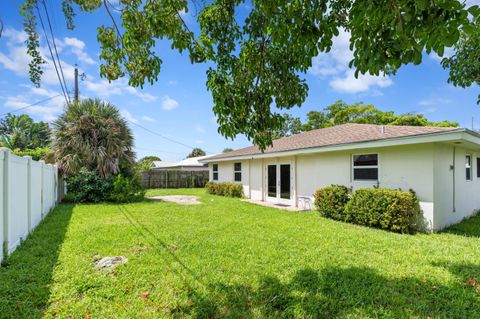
{"x": 291, "y": 125}
{"x": 20, "y": 132}
{"x": 464, "y": 65}
{"x": 196, "y": 152}
{"x": 227, "y": 149}
{"x": 341, "y": 112}
{"x": 92, "y": 134}
{"x": 258, "y": 58}
{"x": 145, "y": 163}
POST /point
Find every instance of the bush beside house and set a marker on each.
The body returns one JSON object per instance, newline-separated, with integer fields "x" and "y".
{"x": 393, "y": 210}
{"x": 330, "y": 201}
{"x": 225, "y": 189}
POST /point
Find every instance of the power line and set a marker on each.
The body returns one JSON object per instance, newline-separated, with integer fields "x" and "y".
{"x": 51, "y": 54}
{"x": 36, "y": 103}
{"x": 158, "y": 151}
{"x": 163, "y": 136}
{"x": 55, "y": 47}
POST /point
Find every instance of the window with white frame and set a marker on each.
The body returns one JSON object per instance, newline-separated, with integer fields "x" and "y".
{"x": 478, "y": 167}
{"x": 215, "y": 172}
{"x": 237, "y": 172}
{"x": 468, "y": 167}
{"x": 365, "y": 167}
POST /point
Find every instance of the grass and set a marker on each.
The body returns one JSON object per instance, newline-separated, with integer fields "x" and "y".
{"x": 228, "y": 258}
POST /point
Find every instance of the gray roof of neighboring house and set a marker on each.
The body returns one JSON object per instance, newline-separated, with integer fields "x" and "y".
{"x": 188, "y": 162}
{"x": 336, "y": 135}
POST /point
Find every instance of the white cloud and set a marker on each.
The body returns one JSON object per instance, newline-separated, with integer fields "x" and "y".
{"x": 168, "y": 103}
{"x": 47, "y": 111}
{"x": 78, "y": 49}
{"x": 172, "y": 82}
{"x": 333, "y": 66}
{"x": 430, "y": 110}
{"x": 199, "y": 128}
{"x": 349, "y": 84}
{"x": 128, "y": 116}
{"x": 147, "y": 119}
{"x": 434, "y": 101}
{"x": 104, "y": 89}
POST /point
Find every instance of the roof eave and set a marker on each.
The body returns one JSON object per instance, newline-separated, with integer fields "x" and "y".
{"x": 458, "y": 134}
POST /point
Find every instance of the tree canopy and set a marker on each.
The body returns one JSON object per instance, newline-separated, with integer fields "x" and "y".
{"x": 464, "y": 65}
{"x": 341, "y": 112}
{"x": 196, "y": 152}
{"x": 258, "y": 56}
{"x": 92, "y": 134}
{"x": 21, "y": 132}
{"x": 227, "y": 149}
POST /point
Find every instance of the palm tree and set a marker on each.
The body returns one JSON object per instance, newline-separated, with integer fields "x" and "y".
{"x": 92, "y": 134}
{"x": 21, "y": 132}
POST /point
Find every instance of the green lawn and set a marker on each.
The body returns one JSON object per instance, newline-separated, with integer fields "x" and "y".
{"x": 227, "y": 258}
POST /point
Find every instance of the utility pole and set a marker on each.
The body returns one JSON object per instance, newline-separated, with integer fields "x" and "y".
{"x": 76, "y": 84}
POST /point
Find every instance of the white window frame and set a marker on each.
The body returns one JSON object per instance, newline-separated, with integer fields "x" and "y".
{"x": 369, "y": 166}
{"x": 214, "y": 172}
{"x": 469, "y": 166}
{"x": 236, "y": 172}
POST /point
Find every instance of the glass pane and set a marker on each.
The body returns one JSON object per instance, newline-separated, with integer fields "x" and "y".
{"x": 369, "y": 174}
{"x": 469, "y": 173}
{"x": 478, "y": 166}
{"x": 285, "y": 181}
{"x": 365, "y": 160}
{"x": 215, "y": 176}
{"x": 215, "y": 167}
{"x": 272, "y": 180}
{"x": 237, "y": 167}
{"x": 468, "y": 161}
{"x": 238, "y": 177}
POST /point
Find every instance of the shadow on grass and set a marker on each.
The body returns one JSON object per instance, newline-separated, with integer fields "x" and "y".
{"x": 340, "y": 292}
{"x": 469, "y": 227}
{"x": 26, "y": 276}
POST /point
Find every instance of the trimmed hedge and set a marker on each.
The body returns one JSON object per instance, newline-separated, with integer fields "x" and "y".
{"x": 387, "y": 209}
{"x": 225, "y": 189}
{"x": 330, "y": 201}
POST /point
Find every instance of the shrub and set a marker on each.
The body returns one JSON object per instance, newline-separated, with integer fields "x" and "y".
{"x": 225, "y": 189}
{"x": 330, "y": 201}
{"x": 88, "y": 187}
{"x": 36, "y": 154}
{"x": 127, "y": 189}
{"x": 393, "y": 210}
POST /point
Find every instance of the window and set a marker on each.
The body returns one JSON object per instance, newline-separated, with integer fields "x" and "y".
{"x": 468, "y": 167}
{"x": 478, "y": 167}
{"x": 215, "y": 172}
{"x": 237, "y": 171}
{"x": 365, "y": 167}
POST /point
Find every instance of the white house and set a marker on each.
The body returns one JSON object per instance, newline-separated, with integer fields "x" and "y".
{"x": 188, "y": 164}
{"x": 442, "y": 165}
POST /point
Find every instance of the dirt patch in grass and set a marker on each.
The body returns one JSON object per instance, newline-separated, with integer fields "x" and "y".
{"x": 178, "y": 199}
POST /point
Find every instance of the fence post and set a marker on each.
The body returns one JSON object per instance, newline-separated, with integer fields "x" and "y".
{"x": 29, "y": 192}
{"x": 6, "y": 195}
{"x": 42, "y": 184}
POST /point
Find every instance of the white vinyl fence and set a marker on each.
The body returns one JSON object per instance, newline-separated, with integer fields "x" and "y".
{"x": 28, "y": 191}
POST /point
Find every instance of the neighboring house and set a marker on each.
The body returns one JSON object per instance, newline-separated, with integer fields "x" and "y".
{"x": 188, "y": 164}
{"x": 442, "y": 165}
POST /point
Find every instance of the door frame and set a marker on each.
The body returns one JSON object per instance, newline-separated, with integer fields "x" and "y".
{"x": 277, "y": 199}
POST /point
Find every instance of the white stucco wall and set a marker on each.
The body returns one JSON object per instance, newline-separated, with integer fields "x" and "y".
{"x": 226, "y": 173}
{"x": 453, "y": 205}
{"x": 424, "y": 168}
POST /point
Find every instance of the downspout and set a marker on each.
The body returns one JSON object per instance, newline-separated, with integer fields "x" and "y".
{"x": 250, "y": 178}
{"x": 454, "y": 169}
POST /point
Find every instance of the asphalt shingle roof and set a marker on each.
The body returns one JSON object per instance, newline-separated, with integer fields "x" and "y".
{"x": 335, "y": 135}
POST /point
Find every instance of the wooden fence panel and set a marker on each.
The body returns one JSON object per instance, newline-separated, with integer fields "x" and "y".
{"x": 174, "y": 179}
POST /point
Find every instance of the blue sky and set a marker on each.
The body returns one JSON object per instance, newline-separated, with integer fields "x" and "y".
{"x": 179, "y": 107}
